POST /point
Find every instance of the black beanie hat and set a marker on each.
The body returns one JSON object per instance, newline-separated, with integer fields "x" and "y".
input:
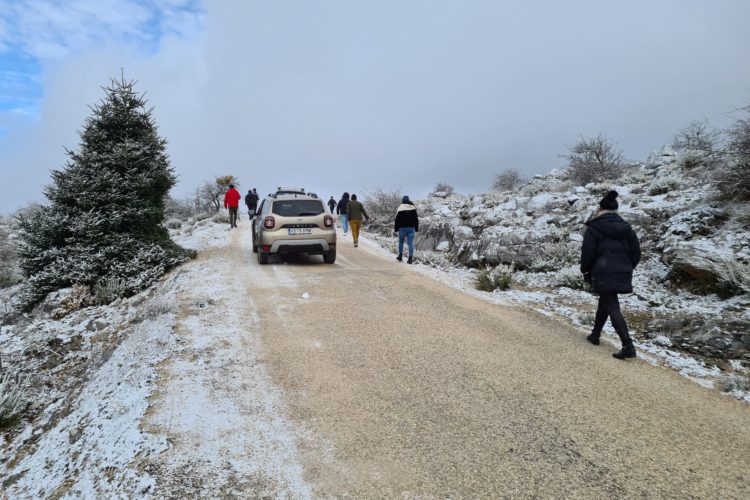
{"x": 609, "y": 202}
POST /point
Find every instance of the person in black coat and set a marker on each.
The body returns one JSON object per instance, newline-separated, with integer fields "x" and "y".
{"x": 609, "y": 254}
{"x": 341, "y": 211}
{"x": 332, "y": 204}
{"x": 251, "y": 201}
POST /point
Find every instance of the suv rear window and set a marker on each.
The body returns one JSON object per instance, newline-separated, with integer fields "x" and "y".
{"x": 297, "y": 208}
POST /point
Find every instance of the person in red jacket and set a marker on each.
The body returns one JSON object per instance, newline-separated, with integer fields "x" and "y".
{"x": 232, "y": 201}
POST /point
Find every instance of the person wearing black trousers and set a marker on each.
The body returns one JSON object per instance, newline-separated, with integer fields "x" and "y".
{"x": 609, "y": 255}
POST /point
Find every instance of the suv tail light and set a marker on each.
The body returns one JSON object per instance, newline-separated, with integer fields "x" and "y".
{"x": 269, "y": 222}
{"x": 328, "y": 221}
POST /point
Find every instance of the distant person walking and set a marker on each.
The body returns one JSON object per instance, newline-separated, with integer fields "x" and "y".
{"x": 251, "y": 201}
{"x": 406, "y": 226}
{"x": 609, "y": 255}
{"x": 341, "y": 211}
{"x": 354, "y": 213}
{"x": 232, "y": 201}
{"x": 332, "y": 204}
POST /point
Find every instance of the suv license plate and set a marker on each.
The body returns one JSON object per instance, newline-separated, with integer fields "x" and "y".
{"x": 300, "y": 230}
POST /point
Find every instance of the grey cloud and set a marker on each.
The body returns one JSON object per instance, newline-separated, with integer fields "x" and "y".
{"x": 356, "y": 95}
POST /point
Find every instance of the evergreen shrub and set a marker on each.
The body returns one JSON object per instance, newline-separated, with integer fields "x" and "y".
{"x": 106, "y": 206}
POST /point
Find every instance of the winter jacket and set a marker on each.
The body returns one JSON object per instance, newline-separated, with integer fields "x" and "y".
{"x": 355, "y": 210}
{"x": 610, "y": 253}
{"x": 406, "y": 216}
{"x": 251, "y": 200}
{"x": 232, "y": 198}
{"x": 332, "y": 205}
{"x": 341, "y": 207}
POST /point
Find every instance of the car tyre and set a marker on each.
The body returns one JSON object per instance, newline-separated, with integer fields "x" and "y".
{"x": 330, "y": 257}
{"x": 262, "y": 258}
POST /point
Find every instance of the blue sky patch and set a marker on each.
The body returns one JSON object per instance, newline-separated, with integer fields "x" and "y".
{"x": 32, "y": 34}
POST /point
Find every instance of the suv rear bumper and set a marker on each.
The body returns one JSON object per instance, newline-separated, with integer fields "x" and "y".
{"x": 301, "y": 246}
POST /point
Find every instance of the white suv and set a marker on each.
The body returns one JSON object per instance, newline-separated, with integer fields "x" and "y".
{"x": 292, "y": 221}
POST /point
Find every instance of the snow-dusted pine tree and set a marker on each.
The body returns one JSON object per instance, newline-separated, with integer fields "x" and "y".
{"x": 106, "y": 206}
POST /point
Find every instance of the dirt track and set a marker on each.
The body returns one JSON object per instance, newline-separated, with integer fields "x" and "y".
{"x": 407, "y": 387}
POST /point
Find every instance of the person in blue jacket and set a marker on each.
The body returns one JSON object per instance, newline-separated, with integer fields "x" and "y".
{"x": 609, "y": 255}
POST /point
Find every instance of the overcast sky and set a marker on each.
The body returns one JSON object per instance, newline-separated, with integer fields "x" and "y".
{"x": 356, "y": 95}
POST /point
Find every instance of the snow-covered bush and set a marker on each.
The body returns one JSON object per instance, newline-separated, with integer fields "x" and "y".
{"x": 733, "y": 277}
{"x": 109, "y": 289}
{"x": 570, "y": 277}
{"x": 434, "y": 259}
{"x": 594, "y": 159}
{"x": 179, "y": 209}
{"x": 691, "y": 159}
{"x": 508, "y": 180}
{"x": 106, "y": 206}
{"x": 665, "y": 184}
{"x": 497, "y": 278}
{"x": 173, "y": 224}
{"x": 203, "y": 216}
{"x": 221, "y": 217}
{"x": 553, "y": 256}
{"x": 12, "y": 399}
{"x": 162, "y": 304}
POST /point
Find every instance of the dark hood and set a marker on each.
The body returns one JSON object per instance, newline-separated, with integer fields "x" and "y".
{"x": 611, "y": 225}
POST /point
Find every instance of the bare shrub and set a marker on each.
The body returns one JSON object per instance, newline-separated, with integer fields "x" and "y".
{"x": 699, "y": 137}
{"x": 210, "y": 196}
{"x": 109, "y": 289}
{"x": 442, "y": 187}
{"x": 508, "y": 180}
{"x": 12, "y": 399}
{"x": 734, "y": 179}
{"x": 80, "y": 296}
{"x": 594, "y": 159}
{"x": 489, "y": 279}
{"x": 381, "y": 204}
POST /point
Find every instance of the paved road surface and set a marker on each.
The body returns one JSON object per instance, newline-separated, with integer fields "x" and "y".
{"x": 400, "y": 386}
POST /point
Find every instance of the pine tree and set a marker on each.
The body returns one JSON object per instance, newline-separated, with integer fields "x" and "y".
{"x": 106, "y": 206}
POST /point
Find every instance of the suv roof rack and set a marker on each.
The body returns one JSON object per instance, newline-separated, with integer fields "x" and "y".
{"x": 289, "y": 190}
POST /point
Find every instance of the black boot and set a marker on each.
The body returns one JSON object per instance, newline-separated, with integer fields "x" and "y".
{"x": 410, "y": 260}
{"x": 594, "y": 339}
{"x": 400, "y": 257}
{"x": 627, "y": 351}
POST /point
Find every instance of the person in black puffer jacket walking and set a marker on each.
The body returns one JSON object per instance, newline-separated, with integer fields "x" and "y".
{"x": 609, "y": 254}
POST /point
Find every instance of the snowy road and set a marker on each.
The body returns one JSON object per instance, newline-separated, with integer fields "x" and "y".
{"x": 365, "y": 379}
